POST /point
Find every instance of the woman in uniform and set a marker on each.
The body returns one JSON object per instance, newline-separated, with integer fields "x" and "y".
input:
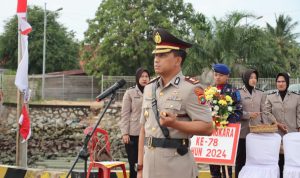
{"x": 252, "y": 100}
{"x": 130, "y": 117}
{"x": 284, "y": 107}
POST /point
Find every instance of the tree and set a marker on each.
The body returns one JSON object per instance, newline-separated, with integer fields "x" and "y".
{"x": 229, "y": 42}
{"x": 285, "y": 42}
{"x": 242, "y": 46}
{"x": 62, "y": 49}
{"x": 120, "y": 35}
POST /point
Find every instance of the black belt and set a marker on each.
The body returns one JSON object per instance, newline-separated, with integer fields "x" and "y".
{"x": 166, "y": 142}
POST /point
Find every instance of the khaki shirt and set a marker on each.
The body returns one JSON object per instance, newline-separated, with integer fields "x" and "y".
{"x": 177, "y": 97}
{"x": 131, "y": 112}
{"x": 251, "y": 103}
{"x": 286, "y": 112}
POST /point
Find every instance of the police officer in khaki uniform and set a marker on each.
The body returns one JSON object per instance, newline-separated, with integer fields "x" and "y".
{"x": 130, "y": 117}
{"x": 171, "y": 114}
{"x": 252, "y": 100}
{"x": 284, "y": 107}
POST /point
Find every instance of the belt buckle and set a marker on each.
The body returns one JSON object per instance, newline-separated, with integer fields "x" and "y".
{"x": 149, "y": 142}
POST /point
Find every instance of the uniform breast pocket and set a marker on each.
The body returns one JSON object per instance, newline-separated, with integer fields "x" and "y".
{"x": 147, "y": 103}
{"x": 247, "y": 98}
{"x": 172, "y": 106}
{"x": 137, "y": 98}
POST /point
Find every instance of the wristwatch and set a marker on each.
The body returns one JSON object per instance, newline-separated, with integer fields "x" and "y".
{"x": 138, "y": 167}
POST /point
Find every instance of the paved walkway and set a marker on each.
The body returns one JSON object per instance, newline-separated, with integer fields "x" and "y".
{"x": 17, "y": 172}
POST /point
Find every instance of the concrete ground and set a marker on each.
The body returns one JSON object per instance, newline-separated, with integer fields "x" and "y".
{"x": 17, "y": 172}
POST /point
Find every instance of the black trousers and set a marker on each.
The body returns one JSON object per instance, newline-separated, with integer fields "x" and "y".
{"x": 281, "y": 164}
{"x": 215, "y": 171}
{"x": 240, "y": 156}
{"x": 132, "y": 153}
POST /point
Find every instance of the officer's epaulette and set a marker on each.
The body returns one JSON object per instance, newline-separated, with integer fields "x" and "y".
{"x": 273, "y": 92}
{"x": 259, "y": 89}
{"x": 192, "y": 80}
{"x": 295, "y": 92}
{"x": 153, "y": 80}
{"x": 244, "y": 88}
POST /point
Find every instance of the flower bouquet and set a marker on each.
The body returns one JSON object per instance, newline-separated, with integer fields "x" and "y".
{"x": 222, "y": 106}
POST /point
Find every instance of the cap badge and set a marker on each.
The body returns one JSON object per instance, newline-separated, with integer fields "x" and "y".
{"x": 157, "y": 38}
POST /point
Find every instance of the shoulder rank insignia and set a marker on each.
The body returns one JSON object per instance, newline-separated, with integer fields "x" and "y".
{"x": 191, "y": 80}
{"x": 295, "y": 92}
{"x": 273, "y": 92}
{"x": 153, "y": 80}
{"x": 259, "y": 89}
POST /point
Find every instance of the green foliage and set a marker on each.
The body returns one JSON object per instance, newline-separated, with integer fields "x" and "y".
{"x": 243, "y": 46}
{"x": 61, "y": 51}
{"x": 119, "y": 39}
{"x": 120, "y": 35}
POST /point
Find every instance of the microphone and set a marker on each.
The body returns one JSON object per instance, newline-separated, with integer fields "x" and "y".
{"x": 110, "y": 90}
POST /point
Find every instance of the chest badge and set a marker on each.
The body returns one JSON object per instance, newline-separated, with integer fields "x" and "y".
{"x": 177, "y": 80}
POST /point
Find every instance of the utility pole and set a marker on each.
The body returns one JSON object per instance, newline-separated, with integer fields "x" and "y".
{"x": 44, "y": 48}
{"x": 44, "y": 52}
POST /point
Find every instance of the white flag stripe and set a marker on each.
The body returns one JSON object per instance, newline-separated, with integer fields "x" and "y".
{"x": 21, "y": 80}
{"x": 21, "y": 119}
{"x": 24, "y": 25}
{"x": 21, "y": 15}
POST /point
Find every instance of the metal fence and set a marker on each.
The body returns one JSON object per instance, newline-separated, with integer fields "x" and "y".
{"x": 86, "y": 88}
{"x": 57, "y": 87}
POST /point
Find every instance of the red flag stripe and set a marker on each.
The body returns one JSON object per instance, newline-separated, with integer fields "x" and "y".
{"x": 22, "y": 6}
{"x": 24, "y": 122}
{"x": 26, "y": 32}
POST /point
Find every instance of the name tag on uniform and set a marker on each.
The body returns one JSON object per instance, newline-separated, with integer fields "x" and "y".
{"x": 174, "y": 98}
{"x": 247, "y": 97}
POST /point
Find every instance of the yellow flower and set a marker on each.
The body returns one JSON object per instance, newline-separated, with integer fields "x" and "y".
{"x": 224, "y": 122}
{"x": 209, "y": 97}
{"x": 210, "y": 91}
{"x": 222, "y": 102}
{"x": 228, "y": 99}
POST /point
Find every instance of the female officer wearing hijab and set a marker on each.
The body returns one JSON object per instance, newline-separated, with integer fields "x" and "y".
{"x": 252, "y": 100}
{"x": 130, "y": 117}
{"x": 284, "y": 107}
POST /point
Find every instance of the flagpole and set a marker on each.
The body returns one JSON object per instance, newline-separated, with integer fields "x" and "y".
{"x": 21, "y": 148}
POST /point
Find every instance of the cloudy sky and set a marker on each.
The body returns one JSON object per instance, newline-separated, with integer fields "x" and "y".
{"x": 76, "y": 12}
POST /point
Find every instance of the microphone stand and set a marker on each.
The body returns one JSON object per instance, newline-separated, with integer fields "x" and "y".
{"x": 84, "y": 154}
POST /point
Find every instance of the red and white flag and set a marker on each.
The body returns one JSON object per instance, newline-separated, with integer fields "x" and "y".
{"x": 24, "y": 124}
{"x": 21, "y": 80}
